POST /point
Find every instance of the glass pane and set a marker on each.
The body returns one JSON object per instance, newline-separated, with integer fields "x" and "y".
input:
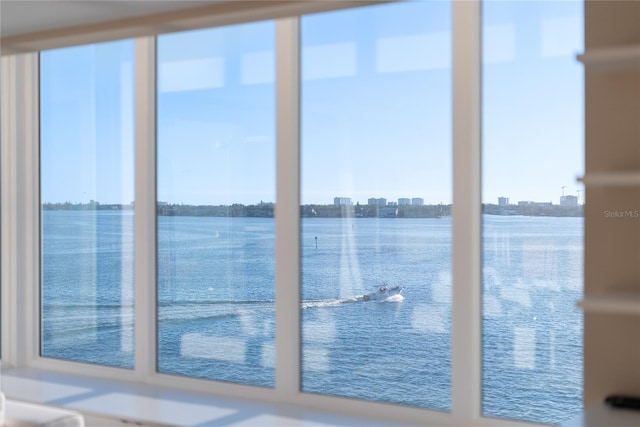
{"x": 376, "y": 194}
{"x": 216, "y": 188}
{"x": 532, "y": 222}
{"x": 86, "y": 166}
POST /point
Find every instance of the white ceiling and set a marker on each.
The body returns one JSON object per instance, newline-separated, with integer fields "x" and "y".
{"x": 27, "y": 16}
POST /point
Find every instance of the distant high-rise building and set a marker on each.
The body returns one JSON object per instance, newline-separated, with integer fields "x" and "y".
{"x": 380, "y": 202}
{"x": 503, "y": 201}
{"x": 404, "y": 201}
{"x": 568, "y": 201}
{"x": 342, "y": 201}
{"x": 417, "y": 201}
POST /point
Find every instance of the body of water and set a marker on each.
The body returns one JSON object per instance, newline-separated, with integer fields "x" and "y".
{"x": 216, "y": 305}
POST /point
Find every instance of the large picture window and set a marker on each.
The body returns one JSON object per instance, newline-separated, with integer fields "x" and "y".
{"x": 376, "y": 199}
{"x": 367, "y": 210}
{"x": 216, "y": 194}
{"x": 86, "y": 157}
{"x": 532, "y": 222}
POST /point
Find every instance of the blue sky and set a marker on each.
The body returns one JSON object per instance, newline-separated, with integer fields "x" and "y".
{"x": 376, "y": 109}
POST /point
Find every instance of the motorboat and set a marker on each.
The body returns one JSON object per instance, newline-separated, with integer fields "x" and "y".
{"x": 382, "y": 293}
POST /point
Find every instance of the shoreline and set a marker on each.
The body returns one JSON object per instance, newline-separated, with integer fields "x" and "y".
{"x": 266, "y": 210}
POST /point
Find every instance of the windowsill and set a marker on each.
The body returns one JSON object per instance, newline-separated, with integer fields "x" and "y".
{"x": 603, "y": 415}
{"x": 159, "y": 406}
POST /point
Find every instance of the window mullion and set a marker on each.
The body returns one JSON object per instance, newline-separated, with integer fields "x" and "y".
{"x": 9, "y": 217}
{"x": 27, "y": 212}
{"x": 145, "y": 207}
{"x": 287, "y": 218}
{"x": 20, "y": 210}
{"x": 466, "y": 213}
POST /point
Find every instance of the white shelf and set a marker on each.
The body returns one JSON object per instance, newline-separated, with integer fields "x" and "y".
{"x": 618, "y": 58}
{"x": 612, "y": 179}
{"x": 613, "y": 303}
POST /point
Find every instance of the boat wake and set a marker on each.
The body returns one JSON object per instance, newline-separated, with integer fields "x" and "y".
{"x": 396, "y": 297}
{"x": 327, "y": 303}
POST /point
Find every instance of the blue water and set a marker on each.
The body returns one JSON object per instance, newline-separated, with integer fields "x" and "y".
{"x": 532, "y": 330}
{"x": 216, "y": 305}
{"x": 392, "y": 351}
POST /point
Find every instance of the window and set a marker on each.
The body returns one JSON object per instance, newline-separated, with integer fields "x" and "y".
{"x": 295, "y": 293}
{"x": 216, "y": 194}
{"x": 86, "y": 111}
{"x": 376, "y": 199}
{"x": 532, "y": 226}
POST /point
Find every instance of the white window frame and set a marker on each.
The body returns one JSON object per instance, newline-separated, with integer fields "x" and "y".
{"x": 21, "y": 233}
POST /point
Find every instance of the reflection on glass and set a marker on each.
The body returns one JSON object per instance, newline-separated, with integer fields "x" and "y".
{"x": 86, "y": 166}
{"x": 376, "y": 194}
{"x": 532, "y": 227}
{"x": 216, "y": 188}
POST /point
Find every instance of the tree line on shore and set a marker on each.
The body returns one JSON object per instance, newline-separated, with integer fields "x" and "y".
{"x": 266, "y": 210}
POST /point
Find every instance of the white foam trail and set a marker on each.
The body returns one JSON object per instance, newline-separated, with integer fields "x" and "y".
{"x": 327, "y": 303}
{"x": 336, "y": 302}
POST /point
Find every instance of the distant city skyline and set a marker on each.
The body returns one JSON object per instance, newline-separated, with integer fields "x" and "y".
{"x": 502, "y": 201}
